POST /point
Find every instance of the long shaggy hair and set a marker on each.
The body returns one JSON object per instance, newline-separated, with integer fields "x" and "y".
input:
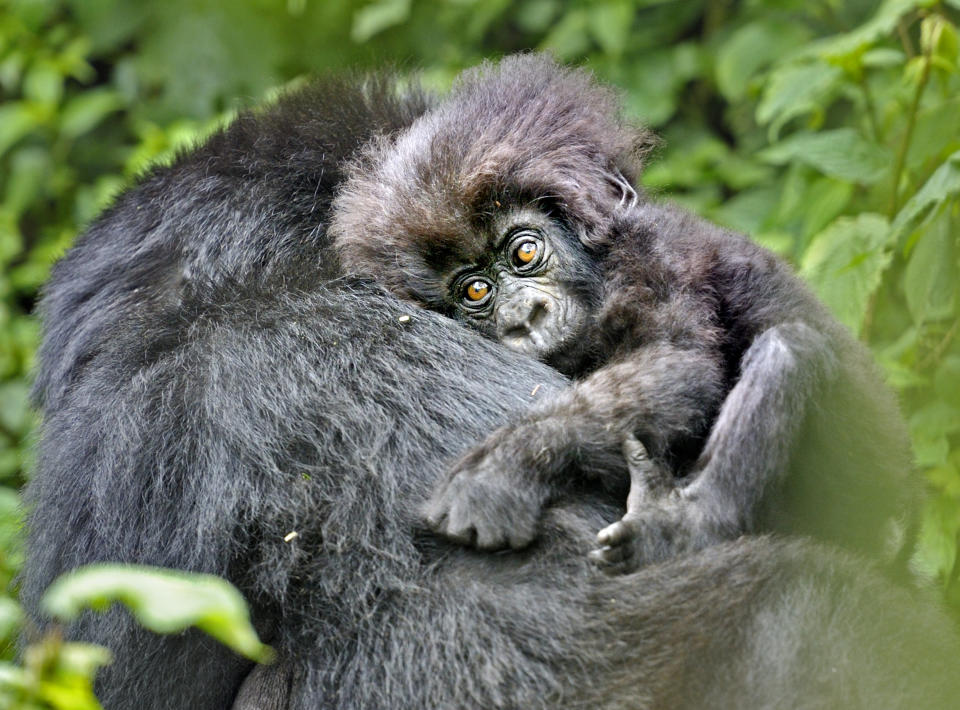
{"x": 519, "y": 130}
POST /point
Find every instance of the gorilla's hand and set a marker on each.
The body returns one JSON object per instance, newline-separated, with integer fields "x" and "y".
{"x": 662, "y": 521}
{"x": 493, "y": 497}
{"x": 657, "y": 531}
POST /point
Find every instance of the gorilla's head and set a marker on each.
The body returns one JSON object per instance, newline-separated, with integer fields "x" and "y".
{"x": 492, "y": 206}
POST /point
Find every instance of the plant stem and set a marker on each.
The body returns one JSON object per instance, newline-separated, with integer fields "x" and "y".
{"x": 908, "y": 135}
{"x": 870, "y": 108}
{"x": 905, "y": 39}
{"x": 936, "y": 354}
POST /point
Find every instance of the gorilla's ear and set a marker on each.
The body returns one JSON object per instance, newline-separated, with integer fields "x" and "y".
{"x": 628, "y": 194}
{"x": 607, "y": 187}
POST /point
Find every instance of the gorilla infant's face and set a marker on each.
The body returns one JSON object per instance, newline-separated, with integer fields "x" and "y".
{"x": 530, "y": 290}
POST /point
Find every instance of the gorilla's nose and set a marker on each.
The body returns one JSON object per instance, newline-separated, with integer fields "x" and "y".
{"x": 522, "y": 315}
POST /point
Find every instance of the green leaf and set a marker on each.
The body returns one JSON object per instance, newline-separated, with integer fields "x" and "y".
{"x": 43, "y": 84}
{"x": 942, "y": 185}
{"x": 936, "y": 133}
{"x": 898, "y": 375}
{"x": 936, "y": 543}
{"x": 747, "y": 211}
{"x": 841, "y": 153}
{"x": 165, "y": 601}
{"x": 938, "y": 38}
{"x": 823, "y": 202}
{"x": 377, "y": 17}
{"x": 750, "y": 49}
{"x": 198, "y": 58}
{"x": 536, "y": 15}
{"x": 66, "y": 672}
{"x": 16, "y": 121}
{"x": 11, "y": 616}
{"x": 739, "y": 172}
{"x": 883, "y": 57}
{"x": 15, "y": 413}
{"x": 939, "y": 418}
{"x": 82, "y": 659}
{"x": 930, "y": 449}
{"x": 15, "y": 683}
{"x": 793, "y": 90}
{"x": 109, "y": 23}
{"x": 11, "y": 533}
{"x": 653, "y": 87}
{"x": 85, "y": 111}
{"x": 880, "y": 25}
{"x": 28, "y": 180}
{"x": 845, "y": 262}
{"x": 778, "y": 242}
{"x": 947, "y": 376}
{"x": 930, "y": 429}
{"x": 929, "y": 281}
{"x": 946, "y": 479}
{"x": 610, "y": 24}
{"x": 568, "y": 39}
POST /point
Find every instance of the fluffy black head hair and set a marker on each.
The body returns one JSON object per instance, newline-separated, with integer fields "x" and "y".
{"x": 524, "y": 129}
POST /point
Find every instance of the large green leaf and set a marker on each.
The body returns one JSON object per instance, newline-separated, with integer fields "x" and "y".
{"x": 930, "y": 279}
{"x": 377, "y": 17}
{"x": 842, "y": 153}
{"x": 880, "y": 25}
{"x": 936, "y": 132}
{"x": 750, "y": 49}
{"x": 610, "y": 24}
{"x": 163, "y": 600}
{"x": 84, "y": 112}
{"x": 11, "y": 615}
{"x": 568, "y": 39}
{"x": 930, "y": 428}
{"x": 937, "y": 542}
{"x": 656, "y": 80}
{"x": 845, "y": 262}
{"x": 796, "y": 89}
{"x": 16, "y": 121}
{"x": 942, "y": 185}
{"x": 202, "y": 56}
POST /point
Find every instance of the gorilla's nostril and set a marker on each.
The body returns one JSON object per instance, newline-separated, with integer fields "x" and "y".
{"x": 538, "y": 309}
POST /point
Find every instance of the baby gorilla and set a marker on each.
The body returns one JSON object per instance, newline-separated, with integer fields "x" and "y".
{"x": 510, "y": 206}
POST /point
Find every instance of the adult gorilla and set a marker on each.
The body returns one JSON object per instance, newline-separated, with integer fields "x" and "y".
{"x": 209, "y": 385}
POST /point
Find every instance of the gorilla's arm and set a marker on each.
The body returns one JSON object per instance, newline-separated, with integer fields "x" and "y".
{"x": 734, "y": 378}
{"x": 494, "y": 496}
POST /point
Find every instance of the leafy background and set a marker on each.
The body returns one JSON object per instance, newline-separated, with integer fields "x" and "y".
{"x": 829, "y": 130}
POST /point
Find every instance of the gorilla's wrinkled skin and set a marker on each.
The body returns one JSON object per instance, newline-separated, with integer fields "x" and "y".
{"x": 209, "y": 383}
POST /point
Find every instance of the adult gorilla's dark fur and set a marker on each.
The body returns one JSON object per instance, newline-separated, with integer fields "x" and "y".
{"x": 510, "y": 207}
{"x": 209, "y": 385}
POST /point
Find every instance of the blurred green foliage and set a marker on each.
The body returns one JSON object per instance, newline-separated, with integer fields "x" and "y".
{"x": 58, "y": 675}
{"x": 826, "y": 129}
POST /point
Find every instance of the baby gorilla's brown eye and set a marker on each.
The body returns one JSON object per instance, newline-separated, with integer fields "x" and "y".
{"x": 477, "y": 290}
{"x": 525, "y": 253}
